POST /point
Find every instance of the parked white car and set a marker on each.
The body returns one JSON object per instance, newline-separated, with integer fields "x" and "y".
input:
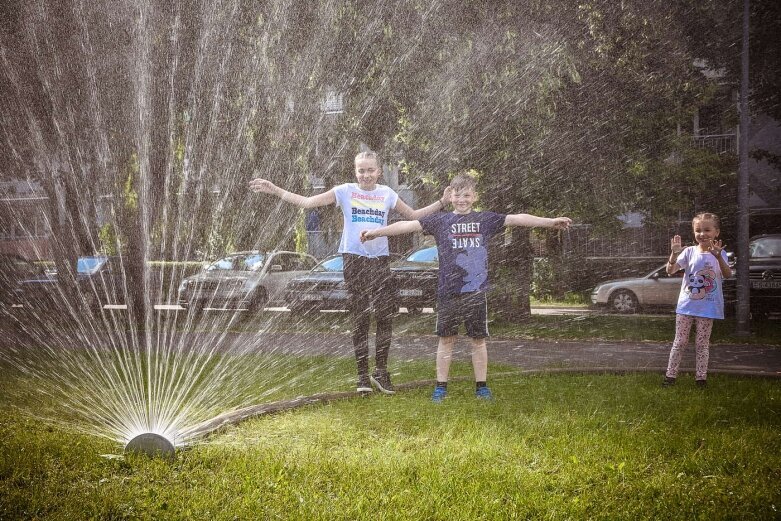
{"x": 246, "y": 279}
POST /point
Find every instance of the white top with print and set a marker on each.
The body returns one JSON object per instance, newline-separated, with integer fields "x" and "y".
{"x": 701, "y": 289}
{"x": 364, "y": 210}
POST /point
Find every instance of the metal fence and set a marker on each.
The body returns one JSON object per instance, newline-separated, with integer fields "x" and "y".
{"x": 648, "y": 241}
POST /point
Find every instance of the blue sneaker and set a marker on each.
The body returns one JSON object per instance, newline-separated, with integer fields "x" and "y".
{"x": 439, "y": 394}
{"x": 484, "y": 393}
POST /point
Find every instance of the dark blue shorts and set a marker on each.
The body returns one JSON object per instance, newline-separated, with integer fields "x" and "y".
{"x": 471, "y": 309}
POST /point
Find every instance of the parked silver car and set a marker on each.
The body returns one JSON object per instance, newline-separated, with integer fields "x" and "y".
{"x": 657, "y": 289}
{"x": 246, "y": 279}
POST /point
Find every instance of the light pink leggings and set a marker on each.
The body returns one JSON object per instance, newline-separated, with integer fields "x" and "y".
{"x": 683, "y": 324}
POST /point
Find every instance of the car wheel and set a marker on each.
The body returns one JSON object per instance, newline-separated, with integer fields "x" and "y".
{"x": 258, "y": 302}
{"x": 91, "y": 302}
{"x": 624, "y": 301}
{"x": 759, "y": 316}
{"x": 196, "y": 308}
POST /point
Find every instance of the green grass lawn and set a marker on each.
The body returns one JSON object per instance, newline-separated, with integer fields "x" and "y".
{"x": 548, "y": 447}
{"x": 634, "y": 328}
{"x": 585, "y": 326}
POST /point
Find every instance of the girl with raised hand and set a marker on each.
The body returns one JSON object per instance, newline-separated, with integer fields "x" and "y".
{"x": 701, "y": 299}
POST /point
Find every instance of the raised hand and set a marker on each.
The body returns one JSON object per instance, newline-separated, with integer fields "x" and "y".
{"x": 562, "y": 223}
{"x": 675, "y": 244}
{"x": 446, "y": 195}
{"x": 716, "y": 247}
{"x": 262, "y": 185}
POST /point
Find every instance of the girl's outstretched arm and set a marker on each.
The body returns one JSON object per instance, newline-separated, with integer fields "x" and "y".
{"x": 440, "y": 204}
{"x": 266, "y": 186}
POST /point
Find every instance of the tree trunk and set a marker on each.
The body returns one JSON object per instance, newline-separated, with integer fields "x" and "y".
{"x": 520, "y": 253}
{"x": 64, "y": 247}
{"x": 135, "y": 272}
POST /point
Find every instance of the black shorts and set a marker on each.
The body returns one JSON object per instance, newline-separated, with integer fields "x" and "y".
{"x": 469, "y": 308}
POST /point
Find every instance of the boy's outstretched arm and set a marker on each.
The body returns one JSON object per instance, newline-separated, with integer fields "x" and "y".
{"x": 266, "y": 186}
{"x": 397, "y": 228}
{"x": 532, "y": 221}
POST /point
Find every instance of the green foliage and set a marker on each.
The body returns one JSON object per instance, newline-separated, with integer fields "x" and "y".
{"x": 109, "y": 242}
{"x": 129, "y": 188}
{"x": 301, "y": 236}
{"x": 544, "y": 280}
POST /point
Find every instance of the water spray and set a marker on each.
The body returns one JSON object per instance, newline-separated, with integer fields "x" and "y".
{"x": 152, "y": 445}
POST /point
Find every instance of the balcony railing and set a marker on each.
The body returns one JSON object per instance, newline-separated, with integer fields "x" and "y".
{"x": 719, "y": 143}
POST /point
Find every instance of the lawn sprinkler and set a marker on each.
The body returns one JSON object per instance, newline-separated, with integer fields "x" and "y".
{"x": 152, "y": 445}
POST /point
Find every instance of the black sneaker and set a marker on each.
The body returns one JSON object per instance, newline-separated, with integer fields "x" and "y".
{"x": 364, "y": 385}
{"x": 701, "y": 383}
{"x": 668, "y": 381}
{"x": 382, "y": 381}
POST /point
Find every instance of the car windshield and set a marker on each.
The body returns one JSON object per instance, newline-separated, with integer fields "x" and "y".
{"x": 251, "y": 262}
{"x": 90, "y": 265}
{"x": 424, "y": 255}
{"x": 223, "y": 264}
{"x": 332, "y": 264}
{"x": 765, "y": 247}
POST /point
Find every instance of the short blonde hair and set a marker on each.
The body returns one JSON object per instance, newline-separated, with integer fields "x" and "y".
{"x": 463, "y": 181}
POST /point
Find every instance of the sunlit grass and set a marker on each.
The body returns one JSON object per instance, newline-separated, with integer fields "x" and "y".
{"x": 635, "y": 328}
{"x": 549, "y": 447}
{"x": 584, "y": 326}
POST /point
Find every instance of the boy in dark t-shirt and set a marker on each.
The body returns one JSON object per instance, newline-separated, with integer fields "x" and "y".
{"x": 462, "y": 238}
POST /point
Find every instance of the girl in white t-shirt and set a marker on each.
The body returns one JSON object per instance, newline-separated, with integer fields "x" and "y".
{"x": 364, "y": 205}
{"x": 701, "y": 299}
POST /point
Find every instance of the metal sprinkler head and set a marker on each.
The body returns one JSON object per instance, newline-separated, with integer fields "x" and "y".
{"x": 152, "y": 445}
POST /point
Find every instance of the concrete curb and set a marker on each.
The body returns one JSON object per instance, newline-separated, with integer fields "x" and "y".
{"x": 208, "y": 427}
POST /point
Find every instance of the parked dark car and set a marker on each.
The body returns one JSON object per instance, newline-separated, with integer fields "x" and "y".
{"x": 13, "y": 271}
{"x": 416, "y": 279}
{"x": 99, "y": 280}
{"x": 320, "y": 289}
{"x": 764, "y": 275}
{"x": 415, "y": 276}
{"x": 246, "y": 279}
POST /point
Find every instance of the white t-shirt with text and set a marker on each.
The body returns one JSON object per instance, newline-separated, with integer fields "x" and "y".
{"x": 364, "y": 210}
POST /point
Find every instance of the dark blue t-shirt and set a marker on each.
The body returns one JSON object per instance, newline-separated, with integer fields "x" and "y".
{"x": 462, "y": 244}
